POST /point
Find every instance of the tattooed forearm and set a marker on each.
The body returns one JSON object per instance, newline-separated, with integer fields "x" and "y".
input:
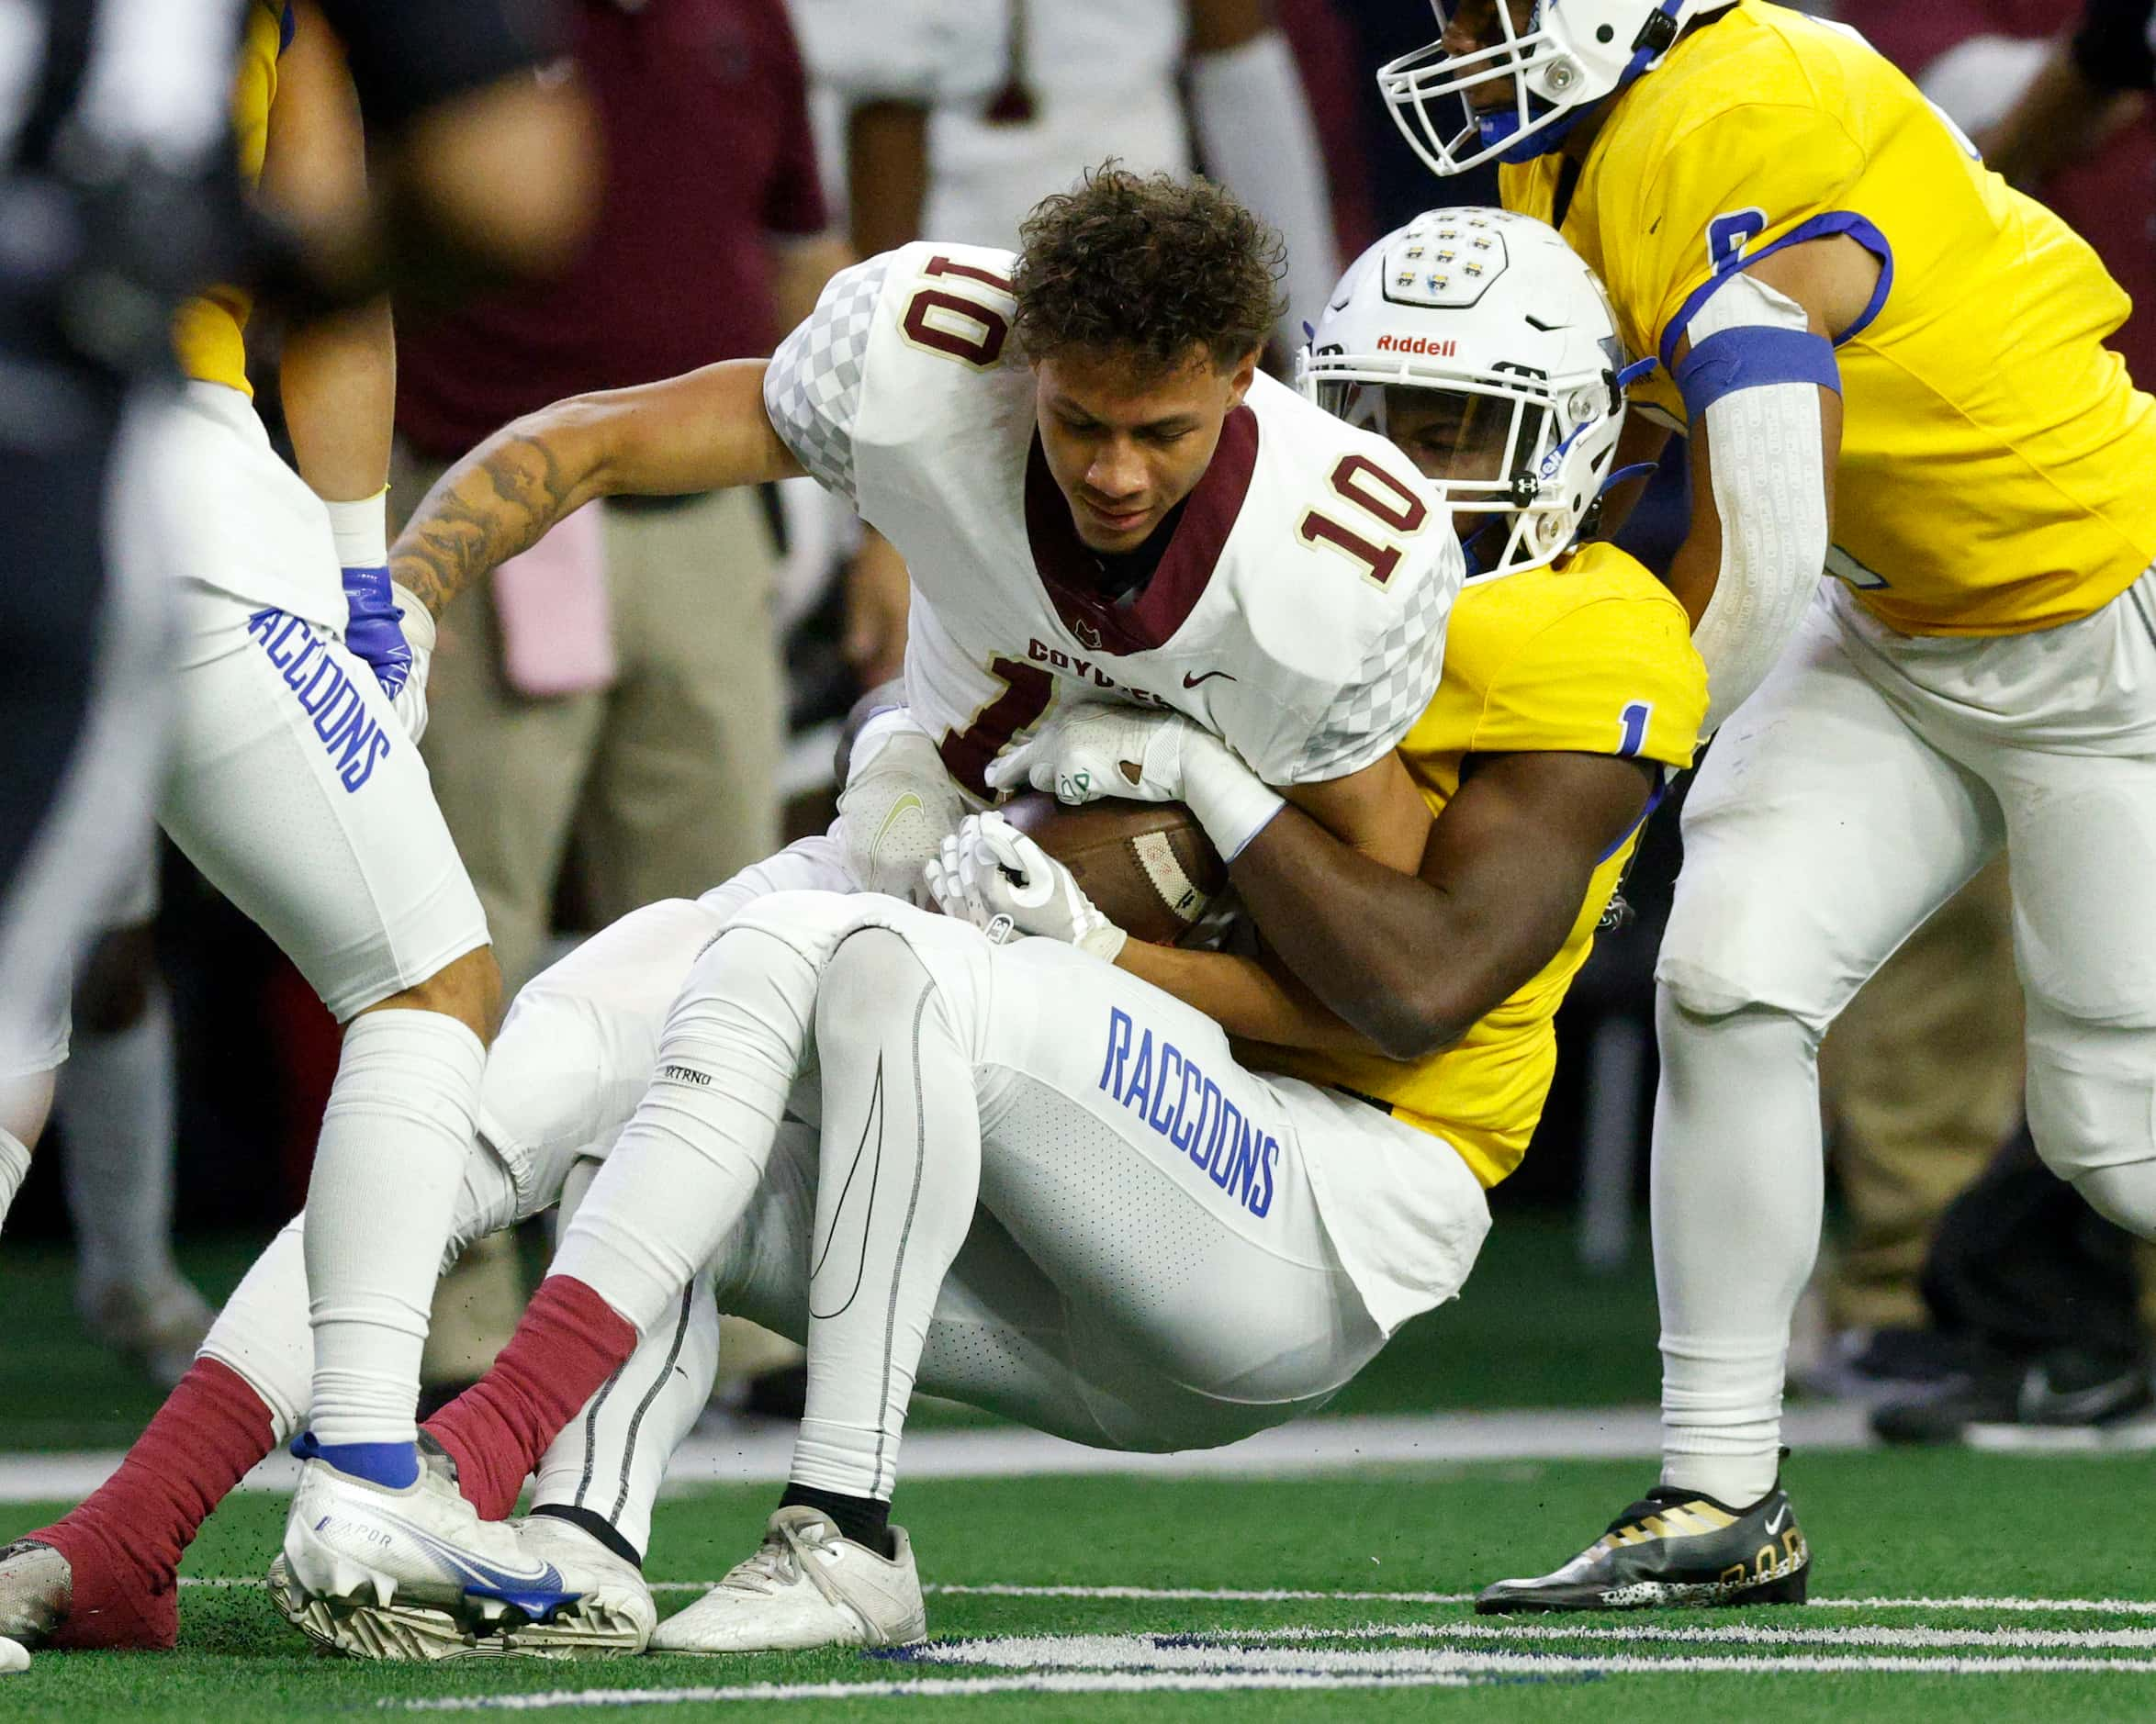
{"x": 497, "y": 501}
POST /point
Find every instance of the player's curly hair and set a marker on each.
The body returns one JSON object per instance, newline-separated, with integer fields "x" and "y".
{"x": 1148, "y": 266}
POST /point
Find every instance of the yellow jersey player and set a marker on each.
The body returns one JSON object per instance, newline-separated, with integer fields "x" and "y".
{"x": 1482, "y": 346}
{"x": 1891, "y": 366}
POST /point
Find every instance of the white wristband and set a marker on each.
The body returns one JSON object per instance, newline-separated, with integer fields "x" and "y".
{"x": 1232, "y": 803}
{"x": 417, "y": 623}
{"x": 361, "y": 531}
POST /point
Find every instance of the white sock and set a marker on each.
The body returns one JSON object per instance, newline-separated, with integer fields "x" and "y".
{"x": 688, "y": 1162}
{"x": 395, "y": 1139}
{"x": 117, "y": 1094}
{"x": 1738, "y": 1184}
{"x": 14, "y": 1163}
{"x": 898, "y": 1172}
{"x": 262, "y": 1333}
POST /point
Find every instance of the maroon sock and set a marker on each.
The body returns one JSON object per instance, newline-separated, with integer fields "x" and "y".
{"x": 123, "y": 1542}
{"x": 567, "y": 1344}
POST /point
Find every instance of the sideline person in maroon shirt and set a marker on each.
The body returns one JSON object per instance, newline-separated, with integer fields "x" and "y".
{"x": 656, "y": 756}
{"x": 618, "y": 703}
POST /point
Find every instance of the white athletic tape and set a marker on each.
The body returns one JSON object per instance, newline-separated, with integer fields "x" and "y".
{"x": 1156, "y": 855}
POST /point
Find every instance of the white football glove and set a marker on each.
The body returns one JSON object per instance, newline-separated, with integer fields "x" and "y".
{"x": 992, "y": 875}
{"x": 898, "y": 806}
{"x": 1089, "y": 751}
{"x": 410, "y": 700}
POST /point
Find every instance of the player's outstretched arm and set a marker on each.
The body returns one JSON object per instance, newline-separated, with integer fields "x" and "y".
{"x": 704, "y": 431}
{"x": 1412, "y": 961}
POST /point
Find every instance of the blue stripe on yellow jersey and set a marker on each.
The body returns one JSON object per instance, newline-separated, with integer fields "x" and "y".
{"x": 1996, "y": 459}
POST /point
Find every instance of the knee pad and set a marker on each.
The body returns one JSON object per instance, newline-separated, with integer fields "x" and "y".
{"x": 2091, "y": 1110}
{"x": 2123, "y": 1194}
{"x": 747, "y": 978}
{"x": 1682, "y": 1017}
{"x": 870, "y": 976}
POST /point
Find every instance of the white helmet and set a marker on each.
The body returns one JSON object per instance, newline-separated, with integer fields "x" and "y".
{"x": 1572, "y": 54}
{"x": 1508, "y": 341}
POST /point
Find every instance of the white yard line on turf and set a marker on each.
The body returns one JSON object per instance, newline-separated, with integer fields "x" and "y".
{"x": 1743, "y": 1634}
{"x": 1289, "y": 1670}
{"x": 933, "y": 1689}
{"x": 763, "y": 1454}
{"x": 1174, "y": 1654}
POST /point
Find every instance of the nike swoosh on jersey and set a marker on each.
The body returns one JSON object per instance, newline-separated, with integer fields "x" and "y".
{"x": 1190, "y": 681}
{"x": 1774, "y": 1522}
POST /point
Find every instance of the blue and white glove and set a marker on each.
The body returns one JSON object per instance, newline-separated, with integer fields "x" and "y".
{"x": 992, "y": 875}
{"x": 384, "y": 624}
{"x": 1093, "y": 750}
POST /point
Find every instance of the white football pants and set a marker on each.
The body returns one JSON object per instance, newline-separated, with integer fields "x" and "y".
{"x": 295, "y": 791}
{"x": 1150, "y": 1310}
{"x": 1871, "y": 776}
{"x": 1179, "y": 1218}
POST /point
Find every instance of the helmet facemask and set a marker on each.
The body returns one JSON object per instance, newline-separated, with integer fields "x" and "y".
{"x": 1502, "y": 454}
{"x": 1431, "y": 91}
{"x": 1556, "y": 59}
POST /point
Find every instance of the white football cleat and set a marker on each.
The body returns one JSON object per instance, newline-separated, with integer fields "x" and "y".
{"x": 408, "y": 1574}
{"x": 614, "y": 1613}
{"x": 806, "y": 1586}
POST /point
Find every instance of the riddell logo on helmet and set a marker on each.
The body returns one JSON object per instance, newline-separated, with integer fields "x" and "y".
{"x": 1425, "y": 344}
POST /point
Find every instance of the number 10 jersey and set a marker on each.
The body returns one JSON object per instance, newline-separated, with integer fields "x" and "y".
{"x": 1298, "y": 610}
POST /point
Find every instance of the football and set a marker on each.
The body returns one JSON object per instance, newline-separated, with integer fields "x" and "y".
{"x": 1149, "y": 866}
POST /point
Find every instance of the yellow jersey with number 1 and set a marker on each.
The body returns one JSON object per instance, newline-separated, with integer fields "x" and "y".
{"x": 1998, "y": 467}
{"x": 1589, "y": 655}
{"x": 209, "y": 330}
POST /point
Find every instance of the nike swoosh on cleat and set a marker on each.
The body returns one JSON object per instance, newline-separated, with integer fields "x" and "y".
{"x": 1190, "y": 681}
{"x": 1774, "y": 1524}
{"x": 546, "y": 1576}
{"x": 2039, "y": 1403}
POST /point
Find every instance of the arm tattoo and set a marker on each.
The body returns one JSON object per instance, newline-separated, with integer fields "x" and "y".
{"x": 497, "y": 501}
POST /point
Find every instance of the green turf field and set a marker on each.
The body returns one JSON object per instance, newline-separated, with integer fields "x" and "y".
{"x": 1946, "y": 1584}
{"x": 1111, "y": 1598}
{"x": 1532, "y": 1329}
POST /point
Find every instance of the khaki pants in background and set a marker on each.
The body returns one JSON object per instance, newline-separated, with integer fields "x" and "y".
{"x": 667, "y": 779}
{"x": 1922, "y": 1080}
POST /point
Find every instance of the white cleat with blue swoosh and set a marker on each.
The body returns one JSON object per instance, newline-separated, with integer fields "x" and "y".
{"x": 409, "y": 1574}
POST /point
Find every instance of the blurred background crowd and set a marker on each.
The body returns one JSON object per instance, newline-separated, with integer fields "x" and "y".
{"x": 648, "y": 700}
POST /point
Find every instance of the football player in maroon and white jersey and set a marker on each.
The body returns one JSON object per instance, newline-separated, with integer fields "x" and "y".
{"x": 1107, "y": 510}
